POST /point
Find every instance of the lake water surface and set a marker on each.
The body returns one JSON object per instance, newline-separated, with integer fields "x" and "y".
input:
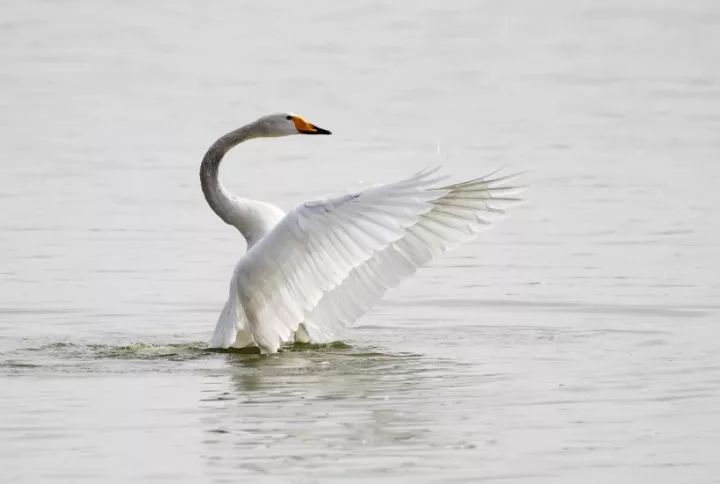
{"x": 575, "y": 341}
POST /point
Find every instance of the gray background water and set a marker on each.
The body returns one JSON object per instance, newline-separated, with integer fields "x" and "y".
{"x": 577, "y": 341}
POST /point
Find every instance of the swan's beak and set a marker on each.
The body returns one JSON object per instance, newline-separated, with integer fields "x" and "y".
{"x": 307, "y": 128}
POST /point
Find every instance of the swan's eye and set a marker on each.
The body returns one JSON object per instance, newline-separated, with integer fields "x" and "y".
{"x": 288, "y": 117}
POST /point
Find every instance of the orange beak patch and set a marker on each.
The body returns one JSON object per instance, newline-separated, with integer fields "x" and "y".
{"x": 303, "y": 126}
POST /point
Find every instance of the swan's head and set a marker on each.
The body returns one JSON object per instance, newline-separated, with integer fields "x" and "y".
{"x": 285, "y": 124}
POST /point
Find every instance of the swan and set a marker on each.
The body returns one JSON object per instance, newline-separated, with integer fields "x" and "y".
{"x": 308, "y": 273}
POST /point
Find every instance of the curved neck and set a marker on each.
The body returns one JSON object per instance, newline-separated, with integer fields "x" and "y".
{"x": 219, "y": 199}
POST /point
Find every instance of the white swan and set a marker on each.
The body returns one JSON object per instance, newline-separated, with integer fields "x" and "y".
{"x": 323, "y": 265}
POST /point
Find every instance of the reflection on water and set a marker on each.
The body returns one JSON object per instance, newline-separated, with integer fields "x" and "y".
{"x": 363, "y": 406}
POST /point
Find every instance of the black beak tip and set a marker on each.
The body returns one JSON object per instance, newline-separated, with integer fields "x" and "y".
{"x": 321, "y": 130}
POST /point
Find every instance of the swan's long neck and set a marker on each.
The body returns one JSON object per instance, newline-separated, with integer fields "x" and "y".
{"x": 219, "y": 199}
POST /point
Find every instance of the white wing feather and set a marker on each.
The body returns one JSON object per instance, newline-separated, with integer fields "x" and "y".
{"x": 328, "y": 261}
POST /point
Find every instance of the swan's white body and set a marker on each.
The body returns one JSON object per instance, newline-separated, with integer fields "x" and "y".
{"x": 309, "y": 273}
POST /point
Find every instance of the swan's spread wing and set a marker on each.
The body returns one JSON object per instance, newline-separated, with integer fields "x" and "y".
{"x": 229, "y": 322}
{"x": 328, "y": 261}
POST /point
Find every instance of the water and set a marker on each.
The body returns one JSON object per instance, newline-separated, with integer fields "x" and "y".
{"x": 574, "y": 342}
